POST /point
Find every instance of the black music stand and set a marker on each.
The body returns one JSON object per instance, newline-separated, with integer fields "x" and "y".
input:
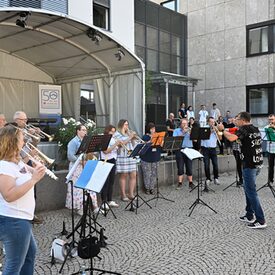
{"x": 193, "y": 154}
{"x": 156, "y": 143}
{"x": 201, "y": 133}
{"x": 269, "y": 138}
{"x": 236, "y": 177}
{"x": 139, "y": 149}
{"x": 89, "y": 144}
{"x": 172, "y": 144}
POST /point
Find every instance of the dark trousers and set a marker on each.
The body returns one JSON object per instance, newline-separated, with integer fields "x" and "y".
{"x": 271, "y": 158}
{"x": 107, "y": 190}
{"x": 210, "y": 154}
{"x": 182, "y": 160}
{"x": 236, "y": 154}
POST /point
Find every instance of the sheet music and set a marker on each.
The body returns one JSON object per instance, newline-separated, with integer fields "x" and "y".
{"x": 192, "y": 153}
{"x": 69, "y": 175}
{"x": 94, "y": 175}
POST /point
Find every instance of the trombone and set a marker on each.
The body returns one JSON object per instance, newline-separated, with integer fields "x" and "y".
{"x": 40, "y": 134}
{"x": 140, "y": 140}
{"x": 35, "y": 138}
{"x": 123, "y": 145}
{"x": 214, "y": 128}
{"x": 48, "y": 172}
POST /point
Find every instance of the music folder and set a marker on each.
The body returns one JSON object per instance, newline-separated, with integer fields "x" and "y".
{"x": 94, "y": 175}
{"x": 158, "y": 139}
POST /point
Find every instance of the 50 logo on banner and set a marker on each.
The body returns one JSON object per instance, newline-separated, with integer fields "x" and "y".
{"x": 49, "y": 99}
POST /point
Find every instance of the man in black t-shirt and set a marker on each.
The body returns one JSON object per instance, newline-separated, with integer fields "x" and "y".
{"x": 252, "y": 159}
{"x": 170, "y": 124}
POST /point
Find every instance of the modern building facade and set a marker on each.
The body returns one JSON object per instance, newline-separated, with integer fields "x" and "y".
{"x": 231, "y": 49}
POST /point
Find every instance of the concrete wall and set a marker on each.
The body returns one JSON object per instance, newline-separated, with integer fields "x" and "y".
{"x": 217, "y": 50}
{"x": 121, "y": 18}
{"x": 51, "y": 194}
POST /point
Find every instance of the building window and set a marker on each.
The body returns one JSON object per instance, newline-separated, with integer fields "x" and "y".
{"x": 101, "y": 16}
{"x": 26, "y": 3}
{"x": 171, "y": 5}
{"x": 258, "y": 40}
{"x": 261, "y": 38}
{"x": 260, "y": 99}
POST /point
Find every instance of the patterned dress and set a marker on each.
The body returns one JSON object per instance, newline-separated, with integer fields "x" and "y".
{"x": 78, "y": 192}
{"x": 124, "y": 164}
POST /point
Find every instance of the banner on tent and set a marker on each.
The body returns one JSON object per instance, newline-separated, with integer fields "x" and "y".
{"x": 50, "y": 99}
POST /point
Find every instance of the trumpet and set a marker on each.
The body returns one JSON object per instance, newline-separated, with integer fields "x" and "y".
{"x": 48, "y": 172}
{"x": 35, "y": 138}
{"x": 40, "y": 134}
{"x": 41, "y": 156}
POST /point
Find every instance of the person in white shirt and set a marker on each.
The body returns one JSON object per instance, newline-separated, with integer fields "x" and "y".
{"x": 215, "y": 112}
{"x": 110, "y": 155}
{"x": 203, "y": 115}
{"x": 190, "y": 112}
{"x": 17, "y": 203}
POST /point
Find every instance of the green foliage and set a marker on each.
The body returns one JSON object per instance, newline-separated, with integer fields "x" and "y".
{"x": 68, "y": 131}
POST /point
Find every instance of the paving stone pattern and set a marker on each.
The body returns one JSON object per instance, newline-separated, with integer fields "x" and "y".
{"x": 164, "y": 240}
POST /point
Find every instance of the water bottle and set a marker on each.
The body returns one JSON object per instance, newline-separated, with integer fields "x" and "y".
{"x": 82, "y": 270}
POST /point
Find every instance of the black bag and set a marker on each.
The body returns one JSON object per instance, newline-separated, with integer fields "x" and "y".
{"x": 88, "y": 247}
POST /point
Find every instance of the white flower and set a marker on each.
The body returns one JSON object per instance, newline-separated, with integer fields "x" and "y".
{"x": 71, "y": 119}
{"x": 59, "y": 144}
{"x": 63, "y": 129}
{"x": 78, "y": 123}
{"x": 65, "y": 121}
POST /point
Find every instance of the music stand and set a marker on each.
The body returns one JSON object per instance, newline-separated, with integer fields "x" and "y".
{"x": 201, "y": 133}
{"x": 172, "y": 144}
{"x": 194, "y": 154}
{"x": 134, "y": 154}
{"x": 270, "y": 137}
{"x": 88, "y": 144}
{"x": 157, "y": 142}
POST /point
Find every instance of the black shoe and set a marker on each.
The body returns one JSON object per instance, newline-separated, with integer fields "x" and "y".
{"x": 257, "y": 225}
{"x": 191, "y": 185}
{"x": 239, "y": 183}
{"x": 147, "y": 191}
{"x": 152, "y": 191}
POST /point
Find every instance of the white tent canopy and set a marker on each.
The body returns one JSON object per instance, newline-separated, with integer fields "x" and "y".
{"x": 56, "y": 49}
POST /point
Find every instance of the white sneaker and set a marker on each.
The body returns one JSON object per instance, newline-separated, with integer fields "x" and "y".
{"x": 113, "y": 204}
{"x": 105, "y": 206}
{"x": 207, "y": 182}
{"x": 216, "y": 181}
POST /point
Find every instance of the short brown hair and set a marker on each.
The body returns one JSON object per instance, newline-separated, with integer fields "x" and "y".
{"x": 108, "y": 128}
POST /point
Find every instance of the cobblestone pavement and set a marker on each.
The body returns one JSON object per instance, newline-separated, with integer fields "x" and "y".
{"x": 164, "y": 240}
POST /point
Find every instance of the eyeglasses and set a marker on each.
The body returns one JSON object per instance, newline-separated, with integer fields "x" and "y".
{"x": 24, "y": 119}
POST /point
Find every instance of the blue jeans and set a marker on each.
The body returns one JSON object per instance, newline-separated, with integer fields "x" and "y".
{"x": 16, "y": 235}
{"x": 253, "y": 205}
{"x": 210, "y": 154}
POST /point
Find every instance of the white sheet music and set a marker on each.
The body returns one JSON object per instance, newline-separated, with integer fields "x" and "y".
{"x": 69, "y": 175}
{"x": 192, "y": 153}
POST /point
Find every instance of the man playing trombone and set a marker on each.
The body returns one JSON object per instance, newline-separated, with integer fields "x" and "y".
{"x": 208, "y": 150}
{"x": 181, "y": 159}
